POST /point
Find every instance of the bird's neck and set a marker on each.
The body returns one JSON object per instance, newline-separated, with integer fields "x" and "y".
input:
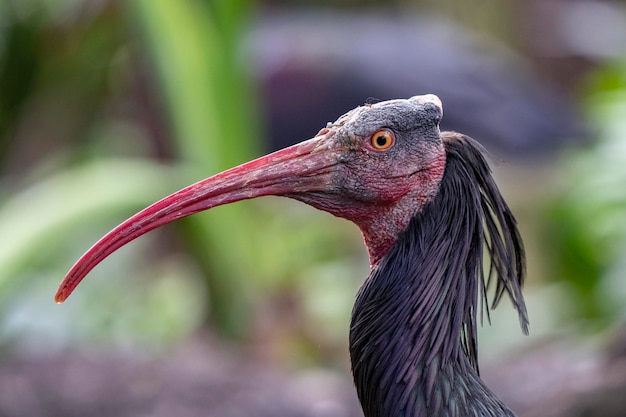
{"x": 412, "y": 336}
{"x": 381, "y": 225}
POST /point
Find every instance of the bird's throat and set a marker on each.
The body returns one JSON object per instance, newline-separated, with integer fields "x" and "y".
{"x": 383, "y": 223}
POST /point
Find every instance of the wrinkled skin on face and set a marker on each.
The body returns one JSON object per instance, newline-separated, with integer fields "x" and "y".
{"x": 380, "y": 190}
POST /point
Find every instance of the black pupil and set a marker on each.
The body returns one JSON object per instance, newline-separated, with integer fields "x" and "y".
{"x": 381, "y": 140}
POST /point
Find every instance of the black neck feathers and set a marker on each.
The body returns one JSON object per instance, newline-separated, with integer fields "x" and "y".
{"x": 413, "y": 336}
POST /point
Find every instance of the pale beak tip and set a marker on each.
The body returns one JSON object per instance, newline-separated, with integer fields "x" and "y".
{"x": 60, "y": 296}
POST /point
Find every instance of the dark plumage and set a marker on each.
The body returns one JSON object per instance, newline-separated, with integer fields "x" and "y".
{"x": 413, "y": 336}
{"x": 428, "y": 206}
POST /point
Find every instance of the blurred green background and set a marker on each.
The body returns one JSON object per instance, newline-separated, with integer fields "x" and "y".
{"x": 107, "y": 106}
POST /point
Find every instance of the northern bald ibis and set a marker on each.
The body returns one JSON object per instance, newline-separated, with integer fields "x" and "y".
{"x": 428, "y": 208}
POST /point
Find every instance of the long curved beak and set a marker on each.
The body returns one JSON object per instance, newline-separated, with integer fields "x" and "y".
{"x": 305, "y": 167}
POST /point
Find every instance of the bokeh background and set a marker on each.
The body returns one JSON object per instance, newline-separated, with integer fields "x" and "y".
{"x": 108, "y": 105}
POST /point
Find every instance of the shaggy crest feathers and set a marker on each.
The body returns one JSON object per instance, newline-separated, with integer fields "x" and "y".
{"x": 499, "y": 233}
{"x": 414, "y": 323}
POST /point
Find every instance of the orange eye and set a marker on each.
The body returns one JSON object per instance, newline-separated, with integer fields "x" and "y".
{"x": 382, "y": 140}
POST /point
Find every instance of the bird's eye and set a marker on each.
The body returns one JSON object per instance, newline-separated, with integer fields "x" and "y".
{"x": 382, "y": 140}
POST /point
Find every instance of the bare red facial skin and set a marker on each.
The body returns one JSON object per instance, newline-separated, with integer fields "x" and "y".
{"x": 388, "y": 209}
{"x": 381, "y": 232}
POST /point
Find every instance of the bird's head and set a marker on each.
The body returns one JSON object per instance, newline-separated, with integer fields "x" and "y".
{"x": 377, "y": 165}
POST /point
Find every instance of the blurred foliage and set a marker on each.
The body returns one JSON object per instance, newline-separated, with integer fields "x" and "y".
{"x": 106, "y": 106}
{"x": 211, "y": 103}
{"x": 586, "y": 225}
{"x": 192, "y": 45}
{"x": 95, "y": 97}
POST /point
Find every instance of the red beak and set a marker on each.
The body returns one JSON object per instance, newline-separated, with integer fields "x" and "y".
{"x": 304, "y": 167}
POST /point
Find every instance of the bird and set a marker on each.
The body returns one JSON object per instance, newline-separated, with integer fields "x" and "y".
{"x": 429, "y": 211}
